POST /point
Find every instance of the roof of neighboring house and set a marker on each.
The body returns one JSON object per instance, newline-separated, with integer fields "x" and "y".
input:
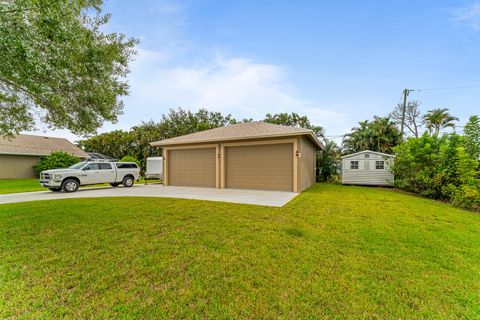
{"x": 240, "y": 131}
{"x": 369, "y": 151}
{"x": 25, "y": 144}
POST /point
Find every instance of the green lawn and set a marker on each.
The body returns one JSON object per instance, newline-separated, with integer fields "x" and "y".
{"x": 28, "y": 185}
{"x": 19, "y": 185}
{"x": 333, "y": 252}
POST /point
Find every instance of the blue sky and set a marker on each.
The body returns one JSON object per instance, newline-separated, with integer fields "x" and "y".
{"x": 338, "y": 62}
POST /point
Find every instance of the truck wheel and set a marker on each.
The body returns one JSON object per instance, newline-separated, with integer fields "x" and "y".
{"x": 127, "y": 182}
{"x": 116, "y": 184}
{"x": 55, "y": 189}
{"x": 70, "y": 185}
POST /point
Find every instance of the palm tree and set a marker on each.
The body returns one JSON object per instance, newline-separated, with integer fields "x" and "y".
{"x": 386, "y": 133}
{"x": 381, "y": 135}
{"x": 327, "y": 159}
{"x": 438, "y": 119}
{"x": 293, "y": 120}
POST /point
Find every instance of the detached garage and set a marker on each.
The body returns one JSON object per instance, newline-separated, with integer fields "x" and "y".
{"x": 250, "y": 155}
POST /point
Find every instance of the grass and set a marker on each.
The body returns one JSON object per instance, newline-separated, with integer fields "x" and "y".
{"x": 333, "y": 252}
{"x": 19, "y": 185}
{"x": 29, "y": 185}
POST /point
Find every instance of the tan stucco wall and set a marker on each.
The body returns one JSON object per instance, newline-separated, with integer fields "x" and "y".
{"x": 306, "y": 164}
{"x": 17, "y": 167}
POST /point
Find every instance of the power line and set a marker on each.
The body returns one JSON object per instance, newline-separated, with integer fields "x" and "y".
{"x": 448, "y": 88}
{"x": 404, "y": 96}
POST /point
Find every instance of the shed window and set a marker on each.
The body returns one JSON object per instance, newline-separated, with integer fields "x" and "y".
{"x": 353, "y": 165}
{"x": 367, "y": 155}
{"x": 380, "y": 165}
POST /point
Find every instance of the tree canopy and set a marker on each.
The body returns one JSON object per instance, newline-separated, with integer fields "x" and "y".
{"x": 438, "y": 119}
{"x": 57, "y": 66}
{"x": 136, "y": 141}
{"x": 180, "y": 122}
{"x": 327, "y": 160}
{"x": 472, "y": 137}
{"x": 413, "y": 119}
{"x": 294, "y": 120}
{"x": 381, "y": 134}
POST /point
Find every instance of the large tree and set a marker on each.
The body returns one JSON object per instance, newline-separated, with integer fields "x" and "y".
{"x": 179, "y": 122}
{"x": 438, "y": 119}
{"x": 57, "y": 66}
{"x": 381, "y": 135}
{"x": 294, "y": 120}
{"x": 413, "y": 119}
{"x": 136, "y": 141}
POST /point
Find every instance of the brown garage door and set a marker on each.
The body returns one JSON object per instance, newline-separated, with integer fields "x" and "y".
{"x": 267, "y": 167}
{"x": 192, "y": 167}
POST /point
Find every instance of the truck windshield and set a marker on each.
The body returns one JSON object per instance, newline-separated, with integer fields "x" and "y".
{"x": 77, "y": 165}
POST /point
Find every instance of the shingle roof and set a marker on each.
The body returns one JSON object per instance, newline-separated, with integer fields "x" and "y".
{"x": 240, "y": 131}
{"x": 369, "y": 151}
{"x": 25, "y": 144}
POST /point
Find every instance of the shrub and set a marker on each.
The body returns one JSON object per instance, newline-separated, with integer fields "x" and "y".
{"x": 439, "y": 168}
{"x": 465, "y": 196}
{"x": 415, "y": 165}
{"x": 56, "y": 160}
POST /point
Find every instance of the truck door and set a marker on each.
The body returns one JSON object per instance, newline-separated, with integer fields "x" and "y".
{"x": 107, "y": 172}
{"x": 90, "y": 174}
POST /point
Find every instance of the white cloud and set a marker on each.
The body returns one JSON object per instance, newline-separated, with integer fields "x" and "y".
{"x": 469, "y": 15}
{"x": 236, "y": 85}
{"x": 173, "y": 76}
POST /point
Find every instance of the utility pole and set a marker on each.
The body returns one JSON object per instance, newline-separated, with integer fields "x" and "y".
{"x": 405, "y": 95}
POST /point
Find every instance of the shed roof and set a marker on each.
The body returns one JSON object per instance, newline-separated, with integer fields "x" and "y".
{"x": 369, "y": 151}
{"x": 25, "y": 144}
{"x": 240, "y": 131}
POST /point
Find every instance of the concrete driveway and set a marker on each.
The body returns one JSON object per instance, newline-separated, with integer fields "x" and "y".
{"x": 258, "y": 197}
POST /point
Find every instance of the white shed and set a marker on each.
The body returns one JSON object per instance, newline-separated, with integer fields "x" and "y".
{"x": 368, "y": 168}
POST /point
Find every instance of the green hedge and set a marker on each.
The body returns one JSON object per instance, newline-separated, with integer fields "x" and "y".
{"x": 56, "y": 160}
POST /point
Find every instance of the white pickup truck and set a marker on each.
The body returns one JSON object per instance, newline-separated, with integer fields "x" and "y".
{"x": 90, "y": 172}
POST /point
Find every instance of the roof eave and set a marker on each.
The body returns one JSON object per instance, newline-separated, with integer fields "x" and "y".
{"x": 281, "y": 135}
{"x": 370, "y": 151}
{"x": 39, "y": 154}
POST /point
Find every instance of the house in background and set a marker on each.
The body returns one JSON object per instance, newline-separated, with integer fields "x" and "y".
{"x": 368, "y": 168}
{"x": 250, "y": 155}
{"x": 19, "y": 154}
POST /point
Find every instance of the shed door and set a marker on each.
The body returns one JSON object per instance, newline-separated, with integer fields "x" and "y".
{"x": 192, "y": 167}
{"x": 266, "y": 167}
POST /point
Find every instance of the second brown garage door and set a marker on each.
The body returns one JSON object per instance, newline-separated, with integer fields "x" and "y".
{"x": 267, "y": 167}
{"x": 192, "y": 167}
